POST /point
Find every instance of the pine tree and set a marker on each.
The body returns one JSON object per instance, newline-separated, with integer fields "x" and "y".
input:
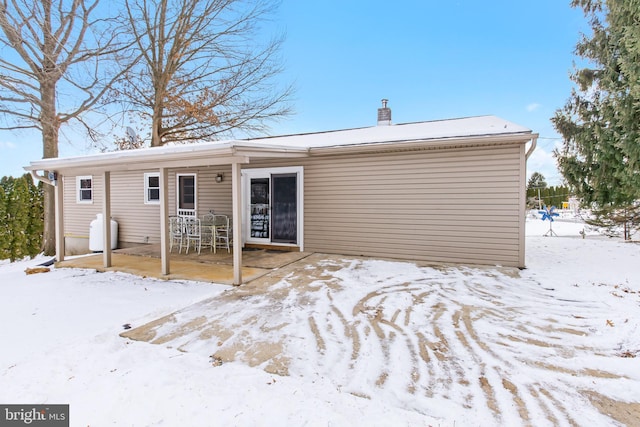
{"x": 35, "y": 217}
{"x": 537, "y": 180}
{"x": 600, "y": 123}
{"x": 4, "y": 226}
{"x": 534, "y": 186}
{"x": 10, "y": 209}
{"x": 18, "y": 219}
{"x": 21, "y": 217}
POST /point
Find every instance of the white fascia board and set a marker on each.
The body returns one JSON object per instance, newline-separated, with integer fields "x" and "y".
{"x": 203, "y": 154}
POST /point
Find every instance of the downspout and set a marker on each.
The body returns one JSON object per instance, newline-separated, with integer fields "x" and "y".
{"x": 59, "y": 223}
{"x": 534, "y": 142}
{"x": 43, "y": 179}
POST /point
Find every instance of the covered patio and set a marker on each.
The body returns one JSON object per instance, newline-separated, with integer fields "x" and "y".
{"x": 207, "y": 266}
{"x": 160, "y": 159}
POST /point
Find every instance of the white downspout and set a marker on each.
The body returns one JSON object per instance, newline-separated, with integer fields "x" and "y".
{"x": 39, "y": 178}
{"x": 534, "y": 142}
{"x": 59, "y": 222}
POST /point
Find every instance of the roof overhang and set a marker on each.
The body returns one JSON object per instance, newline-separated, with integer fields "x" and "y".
{"x": 193, "y": 155}
{"x": 469, "y": 132}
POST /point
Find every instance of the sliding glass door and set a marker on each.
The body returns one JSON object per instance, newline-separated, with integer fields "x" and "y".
{"x": 260, "y": 218}
{"x": 284, "y": 211}
{"x": 273, "y": 205}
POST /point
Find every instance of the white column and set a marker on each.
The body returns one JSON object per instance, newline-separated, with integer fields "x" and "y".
{"x": 59, "y": 219}
{"x": 164, "y": 221}
{"x": 106, "y": 215}
{"x": 236, "y": 190}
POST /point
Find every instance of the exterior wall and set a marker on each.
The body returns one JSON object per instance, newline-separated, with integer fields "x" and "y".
{"x": 137, "y": 222}
{"x": 455, "y": 205}
{"x": 449, "y": 205}
{"x": 78, "y": 216}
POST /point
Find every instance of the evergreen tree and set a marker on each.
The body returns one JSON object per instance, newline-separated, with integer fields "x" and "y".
{"x": 537, "y": 180}
{"x": 21, "y": 217}
{"x": 18, "y": 219}
{"x": 35, "y": 217}
{"x": 600, "y": 123}
{"x": 534, "y": 186}
{"x": 4, "y": 226}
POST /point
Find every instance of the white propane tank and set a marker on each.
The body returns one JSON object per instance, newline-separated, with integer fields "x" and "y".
{"x": 96, "y": 242}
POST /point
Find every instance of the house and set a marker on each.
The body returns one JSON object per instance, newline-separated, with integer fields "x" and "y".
{"x": 442, "y": 191}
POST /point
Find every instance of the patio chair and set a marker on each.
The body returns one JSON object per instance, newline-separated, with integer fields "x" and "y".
{"x": 222, "y": 232}
{"x": 176, "y": 233}
{"x": 207, "y": 231}
{"x": 193, "y": 232}
{"x": 207, "y": 218}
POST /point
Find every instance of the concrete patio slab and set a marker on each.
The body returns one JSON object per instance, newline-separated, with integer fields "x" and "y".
{"x": 207, "y": 267}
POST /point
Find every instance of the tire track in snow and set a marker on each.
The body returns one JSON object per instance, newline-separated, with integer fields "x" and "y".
{"x": 476, "y": 343}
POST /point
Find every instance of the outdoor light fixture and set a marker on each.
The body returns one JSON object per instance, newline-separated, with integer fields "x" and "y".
{"x": 220, "y": 177}
{"x": 53, "y": 177}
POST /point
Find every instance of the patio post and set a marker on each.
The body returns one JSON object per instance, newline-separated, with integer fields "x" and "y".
{"x": 236, "y": 190}
{"x": 59, "y": 220}
{"x": 164, "y": 221}
{"x": 106, "y": 215}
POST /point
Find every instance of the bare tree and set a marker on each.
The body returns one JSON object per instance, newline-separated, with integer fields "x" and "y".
{"x": 52, "y": 54}
{"x": 202, "y": 72}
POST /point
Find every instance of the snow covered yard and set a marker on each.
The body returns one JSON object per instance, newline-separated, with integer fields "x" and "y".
{"x": 361, "y": 341}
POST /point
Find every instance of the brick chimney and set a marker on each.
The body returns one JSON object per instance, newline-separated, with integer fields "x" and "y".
{"x": 384, "y": 114}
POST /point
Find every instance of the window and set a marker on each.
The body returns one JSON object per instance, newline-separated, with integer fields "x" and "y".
{"x": 84, "y": 184}
{"x": 152, "y": 188}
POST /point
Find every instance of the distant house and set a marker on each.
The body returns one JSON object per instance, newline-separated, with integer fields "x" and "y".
{"x": 441, "y": 191}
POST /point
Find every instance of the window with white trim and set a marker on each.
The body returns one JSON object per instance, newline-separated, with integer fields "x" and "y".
{"x": 84, "y": 186}
{"x": 152, "y": 188}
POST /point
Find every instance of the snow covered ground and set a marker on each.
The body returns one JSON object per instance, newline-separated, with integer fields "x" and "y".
{"x": 368, "y": 342}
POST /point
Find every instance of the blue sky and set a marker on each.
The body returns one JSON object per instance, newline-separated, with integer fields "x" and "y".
{"x": 431, "y": 59}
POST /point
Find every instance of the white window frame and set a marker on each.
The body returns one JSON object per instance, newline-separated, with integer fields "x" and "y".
{"x": 79, "y": 190}
{"x": 147, "y": 187}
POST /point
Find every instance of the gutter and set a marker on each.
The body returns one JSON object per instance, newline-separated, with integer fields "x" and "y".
{"x": 426, "y": 144}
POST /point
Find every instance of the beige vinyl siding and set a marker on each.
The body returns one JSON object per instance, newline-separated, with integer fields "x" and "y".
{"x": 456, "y": 205}
{"x": 448, "y": 206}
{"x": 139, "y": 222}
{"x": 213, "y": 195}
{"x": 462, "y": 205}
{"x": 78, "y": 216}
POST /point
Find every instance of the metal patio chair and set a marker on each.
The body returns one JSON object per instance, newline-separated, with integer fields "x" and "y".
{"x": 176, "y": 233}
{"x": 207, "y": 230}
{"x": 193, "y": 232}
{"x": 222, "y": 232}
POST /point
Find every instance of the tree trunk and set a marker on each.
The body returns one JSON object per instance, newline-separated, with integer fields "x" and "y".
{"x": 155, "y": 127}
{"x": 50, "y": 127}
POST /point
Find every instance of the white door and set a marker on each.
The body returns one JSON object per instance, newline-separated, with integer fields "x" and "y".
{"x": 186, "y": 193}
